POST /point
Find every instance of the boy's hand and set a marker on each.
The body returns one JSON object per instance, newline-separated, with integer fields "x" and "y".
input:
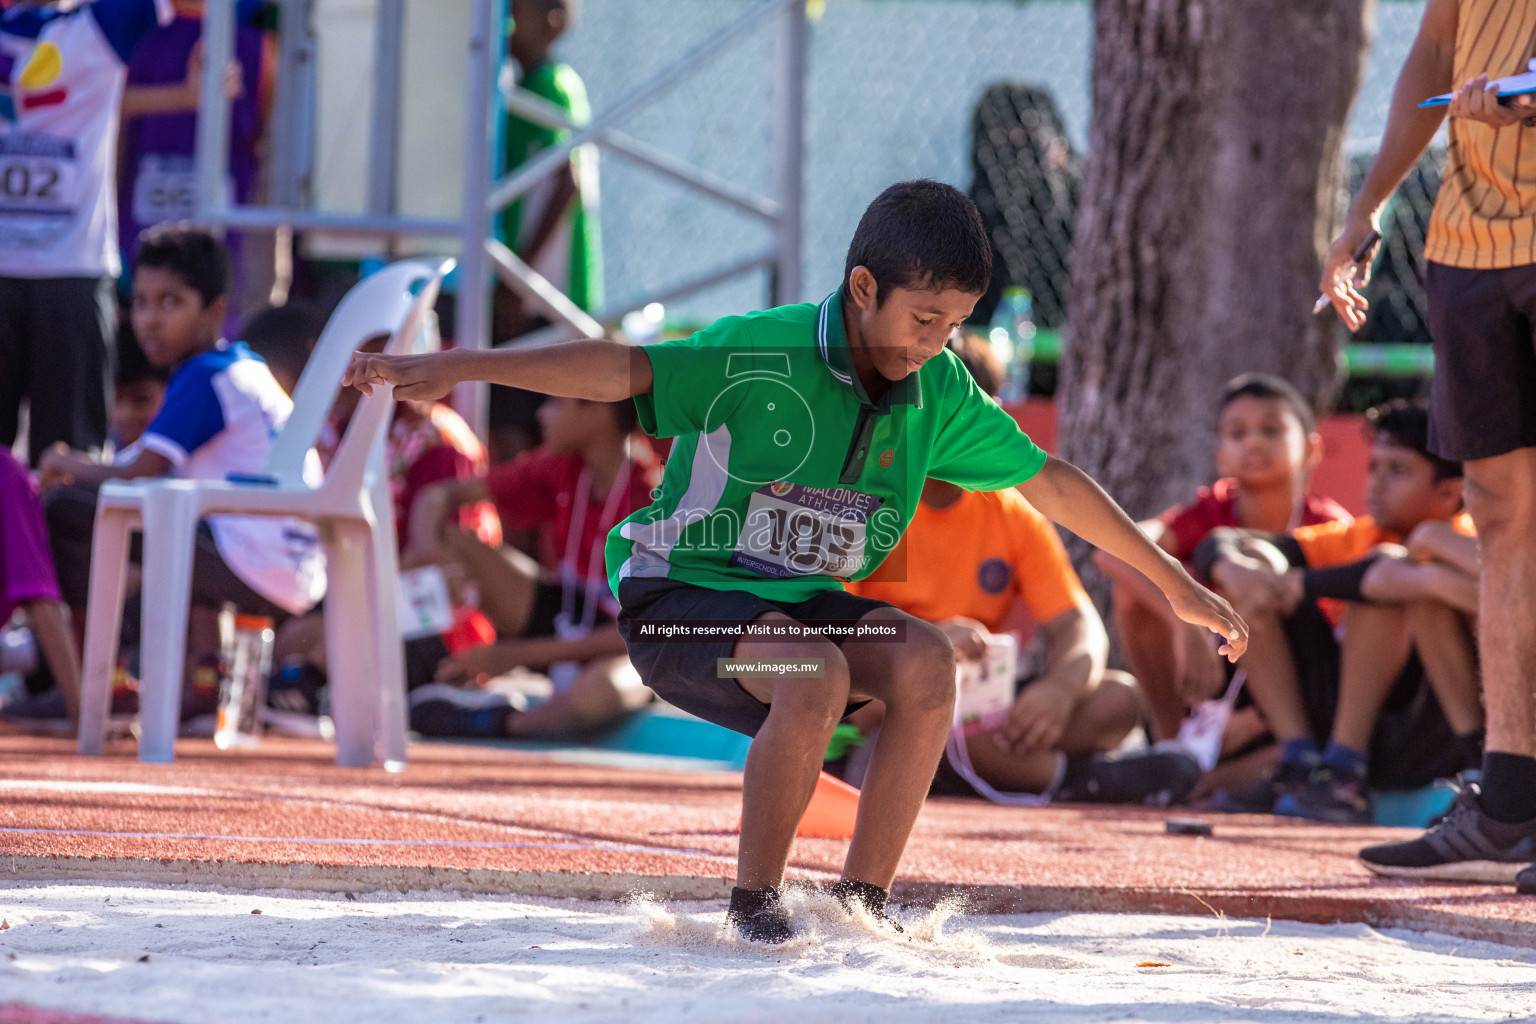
{"x": 421, "y": 377}
{"x": 1198, "y": 606}
{"x": 1343, "y": 280}
{"x": 1037, "y": 719}
{"x": 968, "y": 636}
{"x": 58, "y": 465}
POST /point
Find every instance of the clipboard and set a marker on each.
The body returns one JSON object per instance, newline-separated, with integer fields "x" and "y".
{"x": 1514, "y": 85}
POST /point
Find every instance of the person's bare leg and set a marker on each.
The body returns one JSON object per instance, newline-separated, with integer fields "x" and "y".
{"x": 507, "y": 579}
{"x": 1372, "y": 655}
{"x": 1501, "y": 495}
{"x": 52, "y": 628}
{"x": 1104, "y": 717}
{"x": 1271, "y": 674}
{"x": 915, "y": 680}
{"x": 786, "y": 754}
{"x": 1012, "y": 773}
{"x": 1446, "y": 648}
{"x": 1151, "y": 637}
{"x": 607, "y": 689}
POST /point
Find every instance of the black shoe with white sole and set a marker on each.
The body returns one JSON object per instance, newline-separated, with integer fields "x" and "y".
{"x": 1464, "y": 846}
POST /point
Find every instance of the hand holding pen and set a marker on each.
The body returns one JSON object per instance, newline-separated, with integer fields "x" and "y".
{"x": 1345, "y": 274}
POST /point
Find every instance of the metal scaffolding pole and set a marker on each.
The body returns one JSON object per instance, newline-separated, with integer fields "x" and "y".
{"x": 789, "y": 147}
{"x": 474, "y": 302}
{"x": 212, "y": 152}
{"x": 384, "y": 129}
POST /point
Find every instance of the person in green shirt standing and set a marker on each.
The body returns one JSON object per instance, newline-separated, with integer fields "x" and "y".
{"x": 803, "y": 437}
{"x": 552, "y": 228}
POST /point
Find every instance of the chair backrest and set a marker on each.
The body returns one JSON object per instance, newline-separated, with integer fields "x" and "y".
{"x": 354, "y": 463}
{"x": 376, "y": 305}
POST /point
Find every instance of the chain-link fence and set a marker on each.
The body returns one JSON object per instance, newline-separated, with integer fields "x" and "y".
{"x": 898, "y": 89}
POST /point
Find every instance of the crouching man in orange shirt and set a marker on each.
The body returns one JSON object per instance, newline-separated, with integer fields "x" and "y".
{"x": 967, "y": 559}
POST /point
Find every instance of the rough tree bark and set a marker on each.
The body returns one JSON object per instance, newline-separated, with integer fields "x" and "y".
{"x": 1214, "y": 184}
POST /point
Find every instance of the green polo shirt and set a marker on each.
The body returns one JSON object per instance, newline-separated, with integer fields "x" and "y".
{"x": 785, "y": 479}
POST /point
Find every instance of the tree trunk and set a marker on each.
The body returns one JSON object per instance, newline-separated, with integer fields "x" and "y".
{"x": 1214, "y": 183}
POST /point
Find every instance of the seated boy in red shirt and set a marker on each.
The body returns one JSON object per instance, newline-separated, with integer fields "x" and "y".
{"x": 967, "y": 559}
{"x": 1267, "y": 450}
{"x": 555, "y": 613}
{"x": 1359, "y": 642}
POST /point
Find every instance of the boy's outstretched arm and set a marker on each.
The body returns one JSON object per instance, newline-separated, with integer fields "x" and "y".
{"x": 592, "y": 369}
{"x": 1064, "y": 494}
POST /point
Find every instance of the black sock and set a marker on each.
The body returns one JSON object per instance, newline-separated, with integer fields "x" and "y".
{"x": 1509, "y": 787}
{"x": 871, "y": 897}
{"x": 758, "y": 914}
{"x": 1471, "y": 745}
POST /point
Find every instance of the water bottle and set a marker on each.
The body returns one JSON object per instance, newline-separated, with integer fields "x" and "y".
{"x": 1016, "y": 310}
{"x": 18, "y": 651}
{"x": 247, "y": 642}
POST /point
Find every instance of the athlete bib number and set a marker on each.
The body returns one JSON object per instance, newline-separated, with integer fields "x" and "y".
{"x": 805, "y": 531}
{"x": 39, "y": 189}
{"x": 164, "y": 189}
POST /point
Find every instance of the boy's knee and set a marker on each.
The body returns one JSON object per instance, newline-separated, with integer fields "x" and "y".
{"x": 1119, "y": 700}
{"x": 924, "y": 668}
{"x": 1501, "y": 500}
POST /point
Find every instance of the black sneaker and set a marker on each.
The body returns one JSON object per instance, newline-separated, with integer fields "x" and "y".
{"x": 871, "y": 897}
{"x": 759, "y": 915}
{"x": 1525, "y": 881}
{"x": 1153, "y": 777}
{"x": 443, "y": 711}
{"x": 1328, "y": 795}
{"x": 1262, "y": 796}
{"x": 1466, "y": 846}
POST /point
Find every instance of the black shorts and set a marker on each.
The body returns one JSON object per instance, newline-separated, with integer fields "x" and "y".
{"x": 683, "y": 673}
{"x": 1483, "y": 398}
{"x": 1412, "y": 744}
{"x": 58, "y": 348}
{"x": 71, "y": 516}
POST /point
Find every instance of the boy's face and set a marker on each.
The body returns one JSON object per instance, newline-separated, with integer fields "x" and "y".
{"x": 569, "y": 423}
{"x": 910, "y": 327}
{"x": 535, "y": 25}
{"x": 1262, "y": 443}
{"x": 133, "y": 407}
{"x": 169, "y": 317}
{"x": 1401, "y": 491}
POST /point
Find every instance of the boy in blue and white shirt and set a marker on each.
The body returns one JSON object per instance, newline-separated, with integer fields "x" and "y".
{"x": 222, "y": 410}
{"x": 63, "y": 69}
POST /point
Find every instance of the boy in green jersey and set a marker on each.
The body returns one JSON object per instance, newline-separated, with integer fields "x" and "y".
{"x": 803, "y": 437}
{"x": 554, "y": 228}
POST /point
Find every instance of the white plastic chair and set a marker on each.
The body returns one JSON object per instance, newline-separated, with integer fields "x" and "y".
{"x": 351, "y": 510}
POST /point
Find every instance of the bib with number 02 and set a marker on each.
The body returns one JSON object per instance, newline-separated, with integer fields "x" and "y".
{"x": 39, "y": 188}
{"x": 792, "y": 530}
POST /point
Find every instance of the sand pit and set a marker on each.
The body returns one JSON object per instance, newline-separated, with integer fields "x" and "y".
{"x": 176, "y": 955}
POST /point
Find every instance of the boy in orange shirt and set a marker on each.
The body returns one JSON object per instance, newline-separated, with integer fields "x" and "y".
{"x": 967, "y": 559}
{"x": 1397, "y": 694}
{"x": 1267, "y": 450}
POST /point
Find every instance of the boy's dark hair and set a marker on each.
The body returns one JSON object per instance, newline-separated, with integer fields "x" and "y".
{"x": 192, "y": 254}
{"x": 1405, "y": 423}
{"x": 922, "y": 234}
{"x": 977, "y": 357}
{"x": 1267, "y": 385}
{"x": 284, "y": 336}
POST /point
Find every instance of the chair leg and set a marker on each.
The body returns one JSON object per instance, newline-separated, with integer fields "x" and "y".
{"x": 103, "y": 622}
{"x": 170, "y": 531}
{"x": 351, "y": 651}
{"x": 383, "y": 576}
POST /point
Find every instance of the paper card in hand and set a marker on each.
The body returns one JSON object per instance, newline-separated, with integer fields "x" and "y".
{"x": 1514, "y": 85}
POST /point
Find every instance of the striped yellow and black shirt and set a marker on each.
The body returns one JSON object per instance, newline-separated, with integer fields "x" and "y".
{"x": 1485, "y": 214}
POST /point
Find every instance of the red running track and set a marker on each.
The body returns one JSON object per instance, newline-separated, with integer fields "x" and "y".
{"x": 464, "y": 817}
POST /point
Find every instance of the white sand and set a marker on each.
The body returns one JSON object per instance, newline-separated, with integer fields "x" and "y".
{"x": 423, "y": 959}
